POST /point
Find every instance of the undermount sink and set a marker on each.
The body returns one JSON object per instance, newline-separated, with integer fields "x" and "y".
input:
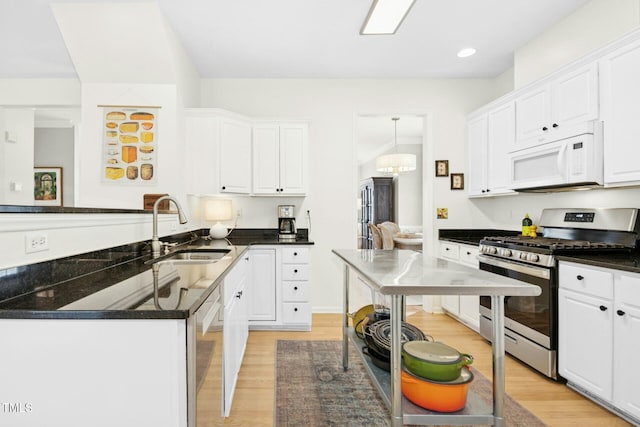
{"x": 198, "y": 256}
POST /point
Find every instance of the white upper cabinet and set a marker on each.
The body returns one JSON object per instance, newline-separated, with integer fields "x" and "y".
{"x": 280, "y": 158}
{"x": 201, "y": 136}
{"x": 490, "y": 137}
{"x": 551, "y": 110}
{"x": 218, "y": 152}
{"x": 235, "y": 156}
{"x": 620, "y": 88}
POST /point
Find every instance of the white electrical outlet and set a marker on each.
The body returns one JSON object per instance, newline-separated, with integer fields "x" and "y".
{"x": 239, "y": 213}
{"x": 36, "y": 242}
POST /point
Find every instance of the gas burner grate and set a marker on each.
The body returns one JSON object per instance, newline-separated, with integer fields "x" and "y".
{"x": 551, "y": 243}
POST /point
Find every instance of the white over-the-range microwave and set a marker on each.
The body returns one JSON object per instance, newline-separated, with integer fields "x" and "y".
{"x": 572, "y": 162}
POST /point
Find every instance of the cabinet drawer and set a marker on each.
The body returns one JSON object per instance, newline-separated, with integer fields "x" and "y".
{"x": 586, "y": 280}
{"x": 296, "y": 312}
{"x": 450, "y": 251}
{"x": 295, "y": 272}
{"x": 469, "y": 255}
{"x": 295, "y": 291}
{"x": 295, "y": 255}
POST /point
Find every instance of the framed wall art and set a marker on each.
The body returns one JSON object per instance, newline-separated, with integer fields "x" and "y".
{"x": 457, "y": 181}
{"x": 47, "y": 186}
{"x": 130, "y": 144}
{"x": 442, "y": 167}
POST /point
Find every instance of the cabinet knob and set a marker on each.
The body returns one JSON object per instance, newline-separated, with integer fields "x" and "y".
{"x": 484, "y": 191}
{"x": 555, "y": 125}
{"x": 295, "y": 288}
{"x": 239, "y": 295}
{"x": 603, "y": 308}
{"x": 295, "y": 254}
{"x": 295, "y": 309}
{"x": 246, "y": 259}
{"x": 468, "y": 253}
{"x": 282, "y": 189}
{"x": 620, "y": 313}
{"x": 488, "y": 190}
{"x": 295, "y": 271}
{"x": 224, "y": 188}
{"x": 446, "y": 249}
{"x": 579, "y": 277}
{"x": 544, "y": 128}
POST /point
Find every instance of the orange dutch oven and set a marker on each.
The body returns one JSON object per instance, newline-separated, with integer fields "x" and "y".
{"x": 440, "y": 396}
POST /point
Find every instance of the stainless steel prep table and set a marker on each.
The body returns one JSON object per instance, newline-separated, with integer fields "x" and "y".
{"x": 403, "y": 272}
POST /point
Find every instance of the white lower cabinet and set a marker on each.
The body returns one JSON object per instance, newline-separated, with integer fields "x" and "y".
{"x": 263, "y": 285}
{"x": 599, "y": 334}
{"x": 280, "y": 288}
{"x": 465, "y": 308}
{"x": 235, "y": 326}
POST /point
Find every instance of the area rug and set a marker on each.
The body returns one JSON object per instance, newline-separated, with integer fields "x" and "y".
{"x": 313, "y": 390}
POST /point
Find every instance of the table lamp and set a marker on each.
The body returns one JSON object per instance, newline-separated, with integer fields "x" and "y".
{"x": 218, "y": 210}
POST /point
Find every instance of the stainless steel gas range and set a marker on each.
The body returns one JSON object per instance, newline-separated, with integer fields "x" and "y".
{"x": 531, "y": 323}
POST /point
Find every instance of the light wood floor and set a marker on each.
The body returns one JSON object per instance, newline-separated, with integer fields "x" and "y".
{"x": 554, "y": 403}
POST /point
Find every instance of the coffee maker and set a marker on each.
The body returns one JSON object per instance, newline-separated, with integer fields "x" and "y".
{"x": 286, "y": 223}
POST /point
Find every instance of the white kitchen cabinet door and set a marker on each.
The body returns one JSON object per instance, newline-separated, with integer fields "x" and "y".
{"x": 280, "y": 158}
{"x": 263, "y": 285}
{"x": 476, "y": 154}
{"x": 585, "y": 342}
{"x": 574, "y": 97}
{"x": 500, "y": 140}
{"x": 451, "y": 303}
{"x": 235, "y": 156}
{"x": 626, "y": 335}
{"x": 489, "y": 139}
{"x": 533, "y": 113}
{"x": 549, "y": 111}
{"x": 293, "y": 158}
{"x": 266, "y": 154}
{"x": 620, "y": 110}
{"x": 235, "y": 327}
{"x": 201, "y": 140}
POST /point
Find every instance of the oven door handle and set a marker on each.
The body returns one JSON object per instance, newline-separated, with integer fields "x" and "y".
{"x": 541, "y": 272}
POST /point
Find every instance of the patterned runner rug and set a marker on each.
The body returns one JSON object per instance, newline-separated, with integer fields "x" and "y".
{"x": 312, "y": 390}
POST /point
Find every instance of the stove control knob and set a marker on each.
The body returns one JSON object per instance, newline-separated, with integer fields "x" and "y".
{"x": 533, "y": 257}
{"x": 506, "y": 252}
{"x": 493, "y": 250}
{"x": 523, "y": 256}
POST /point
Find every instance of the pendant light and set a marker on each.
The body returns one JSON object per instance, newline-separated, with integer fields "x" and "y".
{"x": 396, "y": 163}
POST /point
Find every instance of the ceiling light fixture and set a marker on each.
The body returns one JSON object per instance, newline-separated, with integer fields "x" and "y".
{"x": 396, "y": 163}
{"x": 385, "y": 16}
{"x": 466, "y": 52}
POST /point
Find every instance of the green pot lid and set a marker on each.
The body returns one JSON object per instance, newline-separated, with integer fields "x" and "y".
{"x": 433, "y": 352}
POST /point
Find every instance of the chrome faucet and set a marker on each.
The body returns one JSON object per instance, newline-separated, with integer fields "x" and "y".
{"x": 182, "y": 218}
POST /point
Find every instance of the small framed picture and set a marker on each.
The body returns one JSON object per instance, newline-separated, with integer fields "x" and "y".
{"x": 47, "y": 186}
{"x": 442, "y": 167}
{"x": 457, "y": 181}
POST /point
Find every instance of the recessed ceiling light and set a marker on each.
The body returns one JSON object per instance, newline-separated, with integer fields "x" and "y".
{"x": 385, "y": 16}
{"x": 466, "y": 52}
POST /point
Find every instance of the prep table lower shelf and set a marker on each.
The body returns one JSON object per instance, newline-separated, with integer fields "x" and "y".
{"x": 476, "y": 410}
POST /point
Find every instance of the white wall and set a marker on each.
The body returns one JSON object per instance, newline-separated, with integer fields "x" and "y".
{"x": 331, "y": 107}
{"x": 588, "y": 28}
{"x": 16, "y": 160}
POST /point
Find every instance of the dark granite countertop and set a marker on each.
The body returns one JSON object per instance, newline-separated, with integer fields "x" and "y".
{"x": 472, "y": 236}
{"x": 118, "y": 282}
{"x": 618, "y": 261}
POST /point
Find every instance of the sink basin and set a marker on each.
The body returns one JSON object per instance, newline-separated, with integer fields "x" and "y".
{"x": 199, "y": 256}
